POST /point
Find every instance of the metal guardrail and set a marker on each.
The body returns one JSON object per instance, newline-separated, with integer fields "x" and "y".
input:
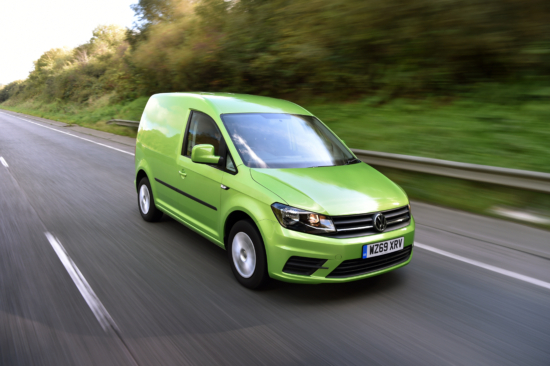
{"x": 123, "y": 122}
{"x": 515, "y": 178}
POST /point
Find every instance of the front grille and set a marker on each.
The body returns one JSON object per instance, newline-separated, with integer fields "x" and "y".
{"x": 303, "y": 266}
{"x": 356, "y": 267}
{"x": 362, "y": 225}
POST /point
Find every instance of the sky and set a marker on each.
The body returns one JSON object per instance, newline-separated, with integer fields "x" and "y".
{"x": 28, "y": 28}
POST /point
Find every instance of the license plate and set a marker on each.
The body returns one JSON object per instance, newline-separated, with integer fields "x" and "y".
{"x": 384, "y": 247}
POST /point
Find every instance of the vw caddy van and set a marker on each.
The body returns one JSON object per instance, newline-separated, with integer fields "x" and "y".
{"x": 269, "y": 182}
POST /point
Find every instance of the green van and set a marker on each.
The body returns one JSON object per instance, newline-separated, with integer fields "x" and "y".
{"x": 269, "y": 182}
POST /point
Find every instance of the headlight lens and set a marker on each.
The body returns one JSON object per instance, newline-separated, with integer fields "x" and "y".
{"x": 296, "y": 219}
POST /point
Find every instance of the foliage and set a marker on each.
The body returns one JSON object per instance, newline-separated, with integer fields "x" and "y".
{"x": 11, "y": 89}
{"x": 343, "y": 48}
{"x": 300, "y": 49}
{"x": 76, "y": 75}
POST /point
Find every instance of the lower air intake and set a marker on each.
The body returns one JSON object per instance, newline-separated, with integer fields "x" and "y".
{"x": 356, "y": 267}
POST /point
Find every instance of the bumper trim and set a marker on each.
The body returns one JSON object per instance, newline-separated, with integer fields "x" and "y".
{"x": 303, "y": 266}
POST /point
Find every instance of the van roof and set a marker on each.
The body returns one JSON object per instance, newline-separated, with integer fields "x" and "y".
{"x": 244, "y": 103}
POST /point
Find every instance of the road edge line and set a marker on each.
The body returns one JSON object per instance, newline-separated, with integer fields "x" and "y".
{"x": 488, "y": 267}
{"x": 70, "y": 134}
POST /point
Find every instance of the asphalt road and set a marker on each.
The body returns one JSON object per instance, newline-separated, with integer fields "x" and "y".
{"x": 173, "y": 301}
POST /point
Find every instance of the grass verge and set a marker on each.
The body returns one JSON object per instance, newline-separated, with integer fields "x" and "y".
{"x": 93, "y": 114}
{"x": 493, "y": 125}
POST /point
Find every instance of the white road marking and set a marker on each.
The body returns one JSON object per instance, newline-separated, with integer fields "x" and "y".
{"x": 4, "y": 162}
{"x": 504, "y": 272}
{"x": 70, "y": 134}
{"x": 85, "y": 289}
{"x": 521, "y": 215}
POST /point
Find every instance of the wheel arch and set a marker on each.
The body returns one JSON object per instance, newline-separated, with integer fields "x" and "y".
{"x": 140, "y": 175}
{"x": 232, "y": 219}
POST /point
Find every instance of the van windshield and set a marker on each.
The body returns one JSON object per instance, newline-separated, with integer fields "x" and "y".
{"x": 273, "y": 140}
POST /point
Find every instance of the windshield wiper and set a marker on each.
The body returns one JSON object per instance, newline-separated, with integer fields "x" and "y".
{"x": 347, "y": 162}
{"x": 352, "y": 161}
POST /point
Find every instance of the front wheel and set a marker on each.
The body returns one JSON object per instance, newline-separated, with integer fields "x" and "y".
{"x": 247, "y": 257}
{"x": 146, "y": 202}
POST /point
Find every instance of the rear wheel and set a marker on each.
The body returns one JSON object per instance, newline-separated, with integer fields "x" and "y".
{"x": 146, "y": 202}
{"x": 246, "y": 252}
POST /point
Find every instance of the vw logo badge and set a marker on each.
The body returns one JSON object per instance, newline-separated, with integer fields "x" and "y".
{"x": 380, "y": 222}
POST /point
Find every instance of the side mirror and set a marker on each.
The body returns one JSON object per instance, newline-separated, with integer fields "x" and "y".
{"x": 204, "y": 154}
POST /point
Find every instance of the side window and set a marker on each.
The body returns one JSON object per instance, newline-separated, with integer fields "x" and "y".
{"x": 202, "y": 130}
{"x": 229, "y": 165}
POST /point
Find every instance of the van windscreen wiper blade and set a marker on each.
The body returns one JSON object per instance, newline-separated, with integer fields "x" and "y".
{"x": 352, "y": 161}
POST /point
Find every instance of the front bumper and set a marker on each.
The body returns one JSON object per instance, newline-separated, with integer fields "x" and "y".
{"x": 281, "y": 244}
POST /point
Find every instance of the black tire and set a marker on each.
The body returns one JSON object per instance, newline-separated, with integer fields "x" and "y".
{"x": 153, "y": 213}
{"x": 259, "y": 277}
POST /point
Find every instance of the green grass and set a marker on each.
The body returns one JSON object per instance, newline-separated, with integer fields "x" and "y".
{"x": 501, "y": 128}
{"x": 94, "y": 114}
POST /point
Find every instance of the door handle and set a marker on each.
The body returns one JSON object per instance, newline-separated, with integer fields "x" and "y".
{"x": 183, "y": 174}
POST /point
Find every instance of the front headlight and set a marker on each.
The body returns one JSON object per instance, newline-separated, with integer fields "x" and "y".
{"x": 296, "y": 219}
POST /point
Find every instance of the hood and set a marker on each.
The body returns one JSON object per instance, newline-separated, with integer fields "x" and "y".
{"x": 336, "y": 190}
